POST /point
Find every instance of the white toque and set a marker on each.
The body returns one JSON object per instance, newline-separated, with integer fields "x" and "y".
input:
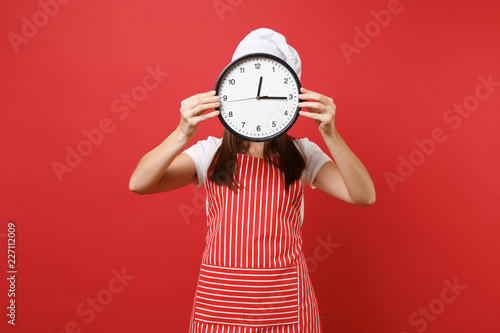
{"x": 268, "y": 41}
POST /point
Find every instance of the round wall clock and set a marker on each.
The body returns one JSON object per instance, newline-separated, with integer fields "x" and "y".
{"x": 258, "y": 97}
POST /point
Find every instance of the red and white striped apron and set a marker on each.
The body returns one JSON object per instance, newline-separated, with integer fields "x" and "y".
{"x": 253, "y": 276}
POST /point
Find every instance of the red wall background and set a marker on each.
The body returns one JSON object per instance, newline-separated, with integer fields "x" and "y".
{"x": 417, "y": 86}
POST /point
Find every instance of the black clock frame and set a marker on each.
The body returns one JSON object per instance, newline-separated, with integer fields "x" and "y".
{"x": 258, "y": 55}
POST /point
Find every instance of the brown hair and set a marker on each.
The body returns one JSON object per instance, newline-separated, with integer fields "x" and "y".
{"x": 222, "y": 169}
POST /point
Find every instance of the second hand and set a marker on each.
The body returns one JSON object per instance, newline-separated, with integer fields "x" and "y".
{"x": 243, "y": 99}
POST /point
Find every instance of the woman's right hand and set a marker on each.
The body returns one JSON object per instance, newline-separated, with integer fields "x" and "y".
{"x": 193, "y": 111}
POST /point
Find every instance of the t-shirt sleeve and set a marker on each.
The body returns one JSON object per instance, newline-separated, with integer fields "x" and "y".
{"x": 315, "y": 158}
{"x": 202, "y": 153}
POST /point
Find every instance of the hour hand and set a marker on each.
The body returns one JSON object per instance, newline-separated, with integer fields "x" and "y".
{"x": 272, "y": 97}
{"x": 258, "y": 89}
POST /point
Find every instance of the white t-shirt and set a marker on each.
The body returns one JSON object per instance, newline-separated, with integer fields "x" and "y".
{"x": 203, "y": 151}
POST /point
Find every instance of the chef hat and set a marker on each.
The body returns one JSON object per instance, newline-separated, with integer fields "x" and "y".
{"x": 268, "y": 41}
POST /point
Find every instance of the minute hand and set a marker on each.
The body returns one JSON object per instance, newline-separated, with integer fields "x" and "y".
{"x": 272, "y": 97}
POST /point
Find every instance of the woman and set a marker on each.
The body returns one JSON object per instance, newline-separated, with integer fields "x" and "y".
{"x": 253, "y": 276}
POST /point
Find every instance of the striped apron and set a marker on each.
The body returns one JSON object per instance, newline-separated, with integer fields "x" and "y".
{"x": 253, "y": 276}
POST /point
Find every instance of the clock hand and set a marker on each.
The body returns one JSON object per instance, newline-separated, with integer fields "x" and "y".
{"x": 260, "y": 86}
{"x": 272, "y": 97}
{"x": 243, "y": 99}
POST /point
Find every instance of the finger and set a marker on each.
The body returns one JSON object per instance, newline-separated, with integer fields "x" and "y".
{"x": 198, "y": 119}
{"x": 319, "y": 118}
{"x": 210, "y": 115}
{"x": 307, "y": 91}
{"x": 311, "y": 95}
{"x": 312, "y": 115}
{"x": 314, "y": 97}
{"x": 198, "y": 96}
{"x": 201, "y": 101}
{"x": 200, "y": 109}
{"x": 313, "y": 106}
{"x": 201, "y": 95}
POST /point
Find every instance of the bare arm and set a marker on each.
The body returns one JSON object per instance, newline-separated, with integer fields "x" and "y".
{"x": 163, "y": 169}
{"x": 347, "y": 179}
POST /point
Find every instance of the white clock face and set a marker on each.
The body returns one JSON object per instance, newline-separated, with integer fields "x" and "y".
{"x": 259, "y": 97}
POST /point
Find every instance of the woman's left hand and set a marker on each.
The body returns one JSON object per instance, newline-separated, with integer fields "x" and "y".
{"x": 321, "y": 109}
